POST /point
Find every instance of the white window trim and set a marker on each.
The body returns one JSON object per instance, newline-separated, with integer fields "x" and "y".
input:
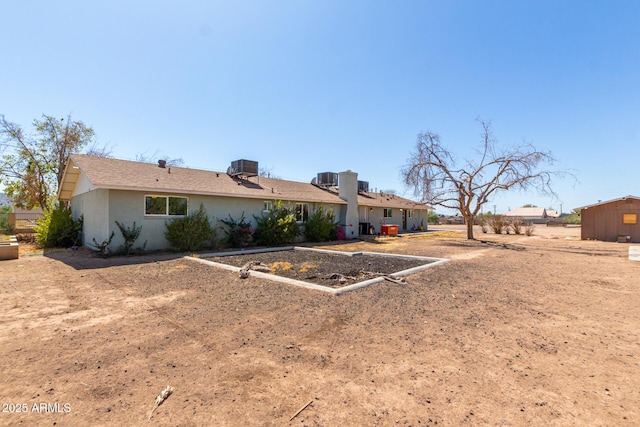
{"x": 166, "y": 207}
{"x": 302, "y": 212}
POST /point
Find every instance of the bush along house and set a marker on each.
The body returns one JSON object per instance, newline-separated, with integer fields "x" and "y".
{"x": 104, "y": 190}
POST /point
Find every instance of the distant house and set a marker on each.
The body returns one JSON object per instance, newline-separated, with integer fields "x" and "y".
{"x": 611, "y": 221}
{"x": 534, "y": 215}
{"x": 105, "y": 190}
{"x": 552, "y": 213}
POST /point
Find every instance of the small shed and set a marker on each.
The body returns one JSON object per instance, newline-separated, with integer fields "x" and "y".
{"x": 612, "y": 221}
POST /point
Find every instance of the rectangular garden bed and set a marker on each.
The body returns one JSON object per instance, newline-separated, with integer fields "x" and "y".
{"x": 329, "y": 271}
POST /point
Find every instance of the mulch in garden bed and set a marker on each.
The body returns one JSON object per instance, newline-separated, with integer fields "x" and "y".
{"x": 324, "y": 268}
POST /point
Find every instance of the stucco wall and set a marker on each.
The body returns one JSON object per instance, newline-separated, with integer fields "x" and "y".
{"x": 82, "y": 186}
{"x": 128, "y": 206}
{"x": 94, "y": 207}
{"x": 376, "y": 218}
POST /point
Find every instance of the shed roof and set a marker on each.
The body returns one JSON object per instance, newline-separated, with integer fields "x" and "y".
{"x": 619, "y": 199}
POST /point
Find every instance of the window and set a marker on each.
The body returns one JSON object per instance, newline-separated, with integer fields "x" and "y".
{"x": 267, "y": 206}
{"x": 387, "y": 212}
{"x": 302, "y": 212}
{"x": 165, "y": 205}
{"x": 410, "y": 213}
{"x": 177, "y": 205}
{"x": 629, "y": 218}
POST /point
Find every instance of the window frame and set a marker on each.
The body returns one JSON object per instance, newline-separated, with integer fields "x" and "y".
{"x": 387, "y": 213}
{"x": 302, "y": 214}
{"x": 167, "y": 206}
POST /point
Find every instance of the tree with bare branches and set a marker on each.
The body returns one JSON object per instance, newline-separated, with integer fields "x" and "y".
{"x": 144, "y": 157}
{"x": 433, "y": 174}
{"x": 32, "y": 166}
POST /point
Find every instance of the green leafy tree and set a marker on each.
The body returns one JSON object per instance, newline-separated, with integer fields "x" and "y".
{"x": 432, "y": 217}
{"x": 32, "y": 166}
{"x": 572, "y": 218}
{"x": 4, "y": 219}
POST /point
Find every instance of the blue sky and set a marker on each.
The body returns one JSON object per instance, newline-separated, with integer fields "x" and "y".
{"x": 311, "y": 86}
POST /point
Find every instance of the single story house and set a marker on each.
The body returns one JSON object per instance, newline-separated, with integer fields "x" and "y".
{"x": 105, "y": 190}
{"x": 534, "y": 214}
{"x": 612, "y": 221}
{"x": 551, "y": 213}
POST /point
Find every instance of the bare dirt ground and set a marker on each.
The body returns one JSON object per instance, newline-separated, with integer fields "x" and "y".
{"x": 516, "y": 331}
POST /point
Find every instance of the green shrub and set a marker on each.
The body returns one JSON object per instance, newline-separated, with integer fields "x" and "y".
{"x": 238, "y": 233}
{"x": 433, "y": 218}
{"x": 57, "y": 229}
{"x": 130, "y": 235}
{"x": 4, "y": 219}
{"x": 276, "y": 228}
{"x": 572, "y": 218}
{"x": 192, "y": 232}
{"x": 320, "y": 227}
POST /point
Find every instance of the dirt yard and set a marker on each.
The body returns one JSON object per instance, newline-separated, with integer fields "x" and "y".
{"x": 515, "y": 331}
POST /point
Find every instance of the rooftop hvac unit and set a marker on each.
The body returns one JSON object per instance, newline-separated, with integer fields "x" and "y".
{"x": 363, "y": 186}
{"x": 243, "y": 168}
{"x": 327, "y": 179}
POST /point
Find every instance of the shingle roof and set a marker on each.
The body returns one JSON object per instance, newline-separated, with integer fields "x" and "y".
{"x": 385, "y": 200}
{"x": 128, "y": 175}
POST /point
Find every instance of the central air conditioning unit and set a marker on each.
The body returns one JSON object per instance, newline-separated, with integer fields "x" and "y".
{"x": 243, "y": 167}
{"x": 363, "y": 186}
{"x": 327, "y": 179}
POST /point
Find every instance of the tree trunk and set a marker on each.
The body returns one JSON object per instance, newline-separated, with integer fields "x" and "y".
{"x": 469, "y": 222}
